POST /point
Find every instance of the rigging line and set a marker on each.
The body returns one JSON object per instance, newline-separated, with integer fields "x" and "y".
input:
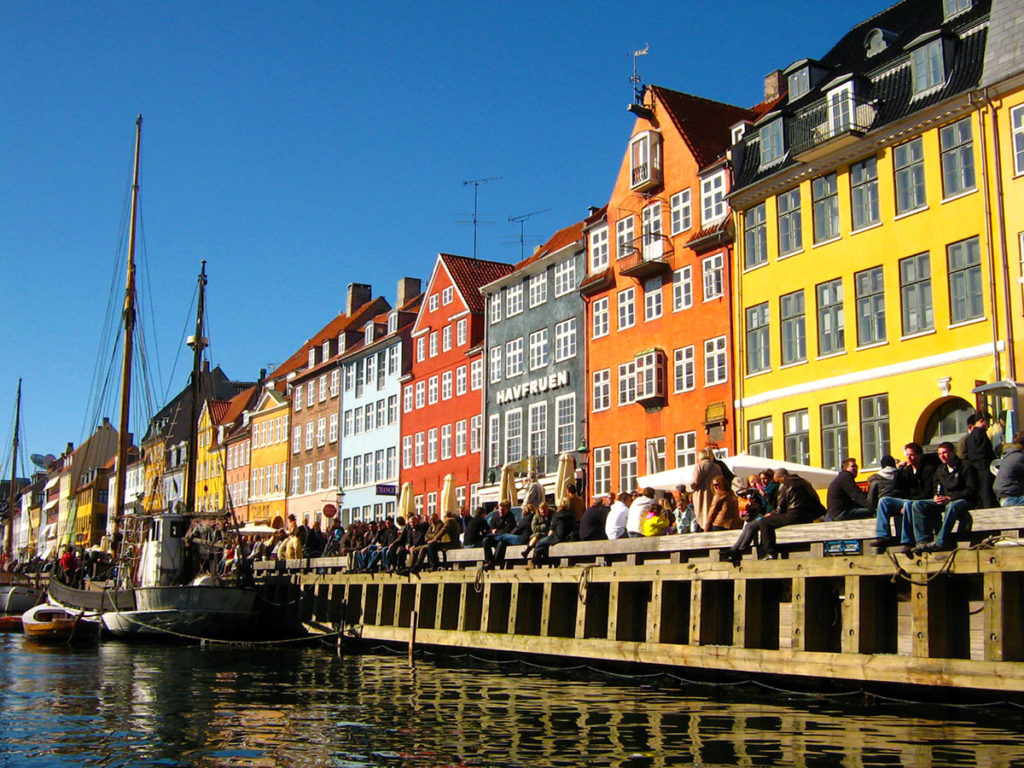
{"x": 181, "y": 342}
{"x": 148, "y": 282}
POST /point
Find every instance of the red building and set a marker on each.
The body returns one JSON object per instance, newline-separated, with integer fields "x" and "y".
{"x": 442, "y": 398}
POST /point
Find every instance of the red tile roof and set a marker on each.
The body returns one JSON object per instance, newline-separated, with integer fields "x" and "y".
{"x": 470, "y": 274}
{"x": 558, "y": 241}
{"x": 218, "y": 408}
{"x": 703, "y": 124}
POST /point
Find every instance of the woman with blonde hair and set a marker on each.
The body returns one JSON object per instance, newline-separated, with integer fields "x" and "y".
{"x": 703, "y": 493}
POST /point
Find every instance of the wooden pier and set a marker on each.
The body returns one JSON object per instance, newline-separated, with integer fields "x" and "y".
{"x": 943, "y": 619}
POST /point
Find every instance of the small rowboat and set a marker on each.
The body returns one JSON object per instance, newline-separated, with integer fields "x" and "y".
{"x": 53, "y": 623}
{"x": 10, "y": 623}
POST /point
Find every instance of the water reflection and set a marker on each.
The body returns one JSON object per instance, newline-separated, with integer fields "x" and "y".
{"x": 124, "y": 705}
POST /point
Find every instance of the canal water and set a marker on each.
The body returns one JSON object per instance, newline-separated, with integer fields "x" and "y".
{"x": 154, "y": 705}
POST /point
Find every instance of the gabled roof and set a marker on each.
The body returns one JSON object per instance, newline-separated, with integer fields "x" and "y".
{"x": 704, "y": 124}
{"x": 171, "y": 422}
{"x": 563, "y": 237}
{"x": 469, "y": 275}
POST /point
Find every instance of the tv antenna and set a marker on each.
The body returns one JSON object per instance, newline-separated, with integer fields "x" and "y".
{"x": 476, "y": 194}
{"x": 638, "y": 91}
{"x": 521, "y": 221}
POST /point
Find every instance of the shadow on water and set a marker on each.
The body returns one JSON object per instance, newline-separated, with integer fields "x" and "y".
{"x": 151, "y": 705}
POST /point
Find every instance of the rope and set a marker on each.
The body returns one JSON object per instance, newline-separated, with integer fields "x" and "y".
{"x": 584, "y": 582}
{"x": 247, "y": 643}
{"x": 947, "y": 564}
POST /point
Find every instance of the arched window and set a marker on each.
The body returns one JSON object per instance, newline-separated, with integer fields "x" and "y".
{"x": 947, "y": 423}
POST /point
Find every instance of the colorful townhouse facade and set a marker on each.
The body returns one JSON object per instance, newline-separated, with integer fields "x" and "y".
{"x": 442, "y": 396}
{"x": 262, "y": 460}
{"x": 210, "y": 467}
{"x": 658, "y": 305}
{"x": 534, "y": 407}
{"x": 373, "y": 362}
{"x": 871, "y": 297}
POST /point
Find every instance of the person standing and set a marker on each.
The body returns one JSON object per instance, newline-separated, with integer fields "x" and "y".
{"x": 980, "y": 456}
{"x": 703, "y": 492}
{"x": 534, "y": 492}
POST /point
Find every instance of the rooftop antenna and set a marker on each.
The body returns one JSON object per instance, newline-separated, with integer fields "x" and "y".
{"x": 476, "y": 192}
{"x": 638, "y": 91}
{"x": 521, "y": 221}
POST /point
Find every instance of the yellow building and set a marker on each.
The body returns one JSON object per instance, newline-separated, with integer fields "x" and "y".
{"x": 210, "y": 466}
{"x": 268, "y": 469}
{"x": 870, "y": 292}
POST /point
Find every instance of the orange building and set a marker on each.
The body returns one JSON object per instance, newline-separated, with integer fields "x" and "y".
{"x": 659, "y": 349}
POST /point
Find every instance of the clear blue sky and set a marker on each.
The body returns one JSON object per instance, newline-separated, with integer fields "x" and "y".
{"x": 298, "y": 147}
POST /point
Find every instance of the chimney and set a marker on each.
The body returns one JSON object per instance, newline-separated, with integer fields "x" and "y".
{"x": 358, "y": 294}
{"x": 773, "y": 85}
{"x": 408, "y": 289}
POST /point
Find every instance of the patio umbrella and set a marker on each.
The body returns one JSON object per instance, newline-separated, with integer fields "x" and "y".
{"x": 743, "y": 464}
{"x": 667, "y": 480}
{"x": 448, "y": 503}
{"x": 507, "y": 491}
{"x": 566, "y": 475}
{"x": 405, "y": 501}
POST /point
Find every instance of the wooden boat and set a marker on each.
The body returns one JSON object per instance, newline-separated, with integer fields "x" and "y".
{"x": 10, "y": 623}
{"x": 54, "y": 623}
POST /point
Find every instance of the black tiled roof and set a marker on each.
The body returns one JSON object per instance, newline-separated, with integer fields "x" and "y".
{"x": 887, "y": 73}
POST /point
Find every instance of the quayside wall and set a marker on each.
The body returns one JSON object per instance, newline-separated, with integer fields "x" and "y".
{"x": 941, "y": 619}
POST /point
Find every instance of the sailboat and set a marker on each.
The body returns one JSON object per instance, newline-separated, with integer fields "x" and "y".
{"x": 164, "y": 587}
{"x": 17, "y": 593}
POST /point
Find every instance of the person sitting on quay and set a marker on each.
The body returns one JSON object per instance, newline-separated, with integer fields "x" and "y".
{"x": 724, "y": 511}
{"x": 615, "y": 523}
{"x": 637, "y": 509}
{"x": 759, "y": 504}
{"x": 845, "y": 500}
{"x": 368, "y": 558}
{"x": 980, "y": 455}
{"x": 540, "y": 524}
{"x": 956, "y": 490}
{"x": 315, "y": 541}
{"x": 686, "y": 519}
{"x": 506, "y": 531}
{"x": 409, "y": 537}
{"x": 563, "y": 528}
{"x": 1009, "y": 484}
{"x": 656, "y": 521}
{"x": 291, "y": 547}
{"x": 593, "y": 522}
{"x": 883, "y": 483}
{"x": 476, "y": 529}
{"x": 913, "y": 483}
{"x": 798, "y": 503}
{"x": 418, "y": 557}
{"x": 447, "y": 538}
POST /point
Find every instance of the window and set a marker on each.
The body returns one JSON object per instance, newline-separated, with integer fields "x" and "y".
{"x": 864, "y": 193}
{"x": 447, "y": 296}
{"x": 874, "y": 429}
{"x": 645, "y": 159}
{"x": 310, "y": 394}
{"x": 602, "y": 390}
{"x": 791, "y": 237}
{"x": 793, "y": 326}
{"x": 538, "y": 349}
{"x": 565, "y": 277}
{"x": 297, "y": 397}
{"x": 627, "y": 308}
{"x": 957, "y": 155}
{"x": 797, "y": 440}
{"x": 755, "y": 238}
{"x": 433, "y": 303}
{"x": 460, "y": 333}
{"x": 926, "y": 67}
{"x": 799, "y": 83}
{"x": 432, "y": 445}
{"x": 513, "y": 358}
{"x": 714, "y": 280}
{"x": 758, "y": 340}
{"x": 296, "y": 471}
{"x": 476, "y": 374}
{"x": 840, "y": 109}
{"x": 624, "y": 237}
{"x": 446, "y": 338}
{"x": 433, "y": 345}
{"x": 514, "y": 435}
{"x": 432, "y": 390}
{"x": 870, "y": 306}
{"x": 475, "y": 425}
{"x": 321, "y": 431}
{"x": 916, "y": 294}
{"x": 627, "y": 383}
{"x": 460, "y": 438}
{"x": 320, "y": 466}
{"x": 682, "y": 288}
{"x": 309, "y": 435}
{"x": 684, "y": 369}
{"x": 772, "y": 145}
{"x": 965, "y": 292}
{"x": 599, "y": 249}
{"x": 513, "y": 300}
{"x": 825, "y": 196}
{"x": 392, "y": 409}
{"x": 650, "y": 375}
{"x": 716, "y": 368}
{"x": 495, "y": 307}
{"x": 652, "y": 299}
{"x": 308, "y": 476}
{"x": 421, "y": 349}
{"x": 831, "y": 324}
{"x": 908, "y": 164}
{"x": 951, "y": 8}
{"x": 421, "y": 394}
{"x": 349, "y": 416}
{"x": 834, "y": 446}
{"x": 539, "y": 288}
{"x": 627, "y": 466}
{"x": 335, "y": 381}
{"x": 686, "y": 449}
{"x": 495, "y": 364}
{"x": 680, "y": 215}
{"x": 602, "y": 470}
{"x": 651, "y": 217}
{"x": 1017, "y": 128}
{"x": 538, "y": 429}
{"x": 759, "y": 437}
{"x": 446, "y": 385}
{"x": 494, "y": 439}
{"x": 565, "y": 340}
{"x": 446, "y": 442}
{"x": 332, "y": 472}
{"x": 600, "y": 320}
{"x": 712, "y": 198}
{"x": 460, "y": 380}
{"x": 392, "y": 322}
{"x": 654, "y": 451}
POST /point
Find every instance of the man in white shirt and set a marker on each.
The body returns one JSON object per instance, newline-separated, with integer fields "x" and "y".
{"x": 640, "y": 505}
{"x": 615, "y": 523}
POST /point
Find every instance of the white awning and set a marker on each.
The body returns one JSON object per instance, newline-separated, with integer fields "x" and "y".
{"x": 51, "y": 482}
{"x": 489, "y": 493}
{"x": 51, "y": 504}
{"x": 47, "y": 530}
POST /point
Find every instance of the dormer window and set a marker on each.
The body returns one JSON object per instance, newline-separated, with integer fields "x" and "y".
{"x": 645, "y": 160}
{"x": 772, "y": 143}
{"x": 341, "y": 343}
{"x": 737, "y": 132}
{"x": 312, "y": 357}
{"x": 927, "y": 67}
{"x": 951, "y": 8}
{"x": 326, "y": 351}
{"x": 799, "y": 83}
{"x": 877, "y": 40}
{"x": 392, "y": 322}
{"x": 368, "y": 333}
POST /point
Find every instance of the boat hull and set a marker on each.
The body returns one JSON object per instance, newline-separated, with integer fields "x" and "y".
{"x": 188, "y": 612}
{"x": 53, "y": 623}
{"x": 15, "y": 598}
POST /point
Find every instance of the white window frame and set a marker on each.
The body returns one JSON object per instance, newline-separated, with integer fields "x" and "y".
{"x": 600, "y": 320}
{"x": 713, "y": 271}
{"x": 565, "y": 276}
{"x": 601, "y": 390}
{"x": 565, "y": 423}
{"x": 599, "y": 248}
{"x": 716, "y": 361}
{"x": 713, "y": 204}
{"x": 680, "y": 212}
{"x": 684, "y": 369}
{"x": 625, "y": 301}
{"x": 566, "y": 342}
{"x": 514, "y": 358}
{"x": 653, "y": 298}
{"x": 538, "y": 289}
{"x": 539, "y": 354}
{"x": 682, "y": 288}
{"x": 624, "y": 236}
{"x": 514, "y": 300}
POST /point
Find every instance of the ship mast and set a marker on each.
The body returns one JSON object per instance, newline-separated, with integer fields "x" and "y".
{"x": 11, "y": 494}
{"x": 123, "y": 436}
{"x": 198, "y": 343}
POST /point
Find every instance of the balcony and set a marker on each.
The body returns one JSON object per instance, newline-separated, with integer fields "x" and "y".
{"x": 828, "y": 125}
{"x": 650, "y": 259}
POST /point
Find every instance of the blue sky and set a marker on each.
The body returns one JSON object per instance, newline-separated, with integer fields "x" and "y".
{"x": 299, "y": 147}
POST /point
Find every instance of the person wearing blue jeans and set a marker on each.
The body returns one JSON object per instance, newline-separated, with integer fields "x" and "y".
{"x": 956, "y": 488}
{"x": 913, "y": 483}
{"x": 1009, "y": 483}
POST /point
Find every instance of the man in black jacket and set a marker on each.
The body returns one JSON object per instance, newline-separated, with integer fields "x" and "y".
{"x": 1009, "y": 485}
{"x": 956, "y": 488}
{"x": 980, "y": 455}
{"x": 798, "y": 502}
{"x": 592, "y": 524}
{"x": 846, "y": 501}
{"x": 501, "y": 536}
{"x": 563, "y": 528}
{"x": 913, "y": 483}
